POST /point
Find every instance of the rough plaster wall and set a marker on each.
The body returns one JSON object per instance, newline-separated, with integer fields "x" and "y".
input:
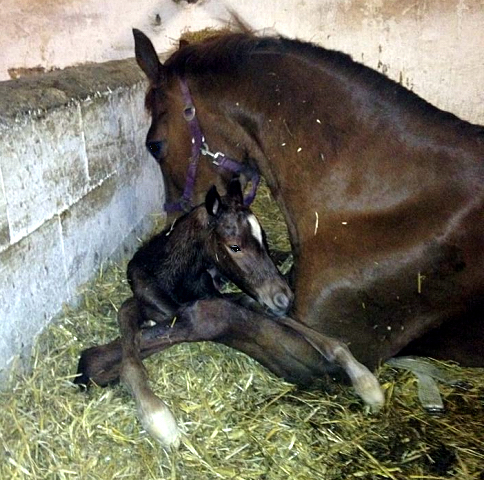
{"x": 77, "y": 188}
{"x": 435, "y": 47}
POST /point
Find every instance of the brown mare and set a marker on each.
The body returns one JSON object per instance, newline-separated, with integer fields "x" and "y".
{"x": 178, "y": 266}
{"x": 382, "y": 194}
{"x": 381, "y": 191}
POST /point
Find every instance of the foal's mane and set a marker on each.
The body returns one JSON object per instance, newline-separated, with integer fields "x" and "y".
{"x": 229, "y": 53}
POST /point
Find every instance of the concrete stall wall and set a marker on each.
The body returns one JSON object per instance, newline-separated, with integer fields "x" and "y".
{"x": 76, "y": 189}
{"x": 75, "y": 181}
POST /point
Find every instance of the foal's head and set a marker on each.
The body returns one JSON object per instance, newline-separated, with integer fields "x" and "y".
{"x": 237, "y": 247}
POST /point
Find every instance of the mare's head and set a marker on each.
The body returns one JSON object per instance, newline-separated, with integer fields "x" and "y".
{"x": 169, "y": 139}
{"x": 238, "y": 249}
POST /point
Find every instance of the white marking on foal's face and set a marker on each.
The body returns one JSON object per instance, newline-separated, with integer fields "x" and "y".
{"x": 255, "y": 228}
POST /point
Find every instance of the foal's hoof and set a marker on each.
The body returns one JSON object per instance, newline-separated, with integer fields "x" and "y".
{"x": 158, "y": 420}
{"x": 91, "y": 370}
{"x": 371, "y": 393}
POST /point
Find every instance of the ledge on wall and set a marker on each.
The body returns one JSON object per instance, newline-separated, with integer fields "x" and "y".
{"x": 40, "y": 93}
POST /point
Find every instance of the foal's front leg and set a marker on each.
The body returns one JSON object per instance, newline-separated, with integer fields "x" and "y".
{"x": 153, "y": 414}
{"x": 282, "y": 350}
{"x": 286, "y": 347}
{"x": 364, "y": 382}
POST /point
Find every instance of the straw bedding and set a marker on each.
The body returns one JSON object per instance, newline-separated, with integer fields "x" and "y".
{"x": 240, "y": 422}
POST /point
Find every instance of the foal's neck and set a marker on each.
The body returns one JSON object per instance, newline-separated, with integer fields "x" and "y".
{"x": 186, "y": 242}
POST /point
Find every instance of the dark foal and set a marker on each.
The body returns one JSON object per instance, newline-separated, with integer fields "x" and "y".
{"x": 175, "y": 268}
{"x": 219, "y": 237}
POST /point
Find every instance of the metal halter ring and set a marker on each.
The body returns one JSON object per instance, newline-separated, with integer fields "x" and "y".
{"x": 189, "y": 113}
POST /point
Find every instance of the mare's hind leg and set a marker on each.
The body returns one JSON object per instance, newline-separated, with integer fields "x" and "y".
{"x": 460, "y": 339}
{"x": 154, "y": 415}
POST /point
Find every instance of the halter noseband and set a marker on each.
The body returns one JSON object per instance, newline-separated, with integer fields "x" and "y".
{"x": 200, "y": 147}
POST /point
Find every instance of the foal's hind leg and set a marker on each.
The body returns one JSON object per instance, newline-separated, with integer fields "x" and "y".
{"x": 282, "y": 348}
{"x": 153, "y": 303}
{"x": 154, "y": 415}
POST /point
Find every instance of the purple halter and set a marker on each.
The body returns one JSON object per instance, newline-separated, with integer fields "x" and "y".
{"x": 199, "y": 147}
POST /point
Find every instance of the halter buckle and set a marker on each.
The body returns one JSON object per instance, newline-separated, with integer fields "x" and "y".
{"x": 204, "y": 150}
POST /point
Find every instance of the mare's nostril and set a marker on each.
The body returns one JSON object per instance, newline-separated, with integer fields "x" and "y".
{"x": 281, "y": 301}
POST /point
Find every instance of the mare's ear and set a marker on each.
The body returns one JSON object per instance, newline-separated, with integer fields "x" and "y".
{"x": 234, "y": 190}
{"x": 183, "y": 43}
{"x": 147, "y": 57}
{"x": 213, "y": 201}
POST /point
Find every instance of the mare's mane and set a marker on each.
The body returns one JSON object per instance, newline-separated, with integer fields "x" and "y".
{"x": 229, "y": 53}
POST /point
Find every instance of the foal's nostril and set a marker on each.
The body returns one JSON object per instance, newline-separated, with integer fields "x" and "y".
{"x": 281, "y": 301}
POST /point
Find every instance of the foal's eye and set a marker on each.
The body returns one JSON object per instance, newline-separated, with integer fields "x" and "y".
{"x": 234, "y": 248}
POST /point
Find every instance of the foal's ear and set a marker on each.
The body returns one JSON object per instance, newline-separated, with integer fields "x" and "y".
{"x": 234, "y": 190}
{"x": 147, "y": 57}
{"x": 213, "y": 201}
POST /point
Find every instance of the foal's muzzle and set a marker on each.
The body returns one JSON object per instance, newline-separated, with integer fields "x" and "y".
{"x": 276, "y": 296}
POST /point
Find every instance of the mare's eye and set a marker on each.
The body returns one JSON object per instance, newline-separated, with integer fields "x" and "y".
{"x": 156, "y": 149}
{"x": 234, "y": 248}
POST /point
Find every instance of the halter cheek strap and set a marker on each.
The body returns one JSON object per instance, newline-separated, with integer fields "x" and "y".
{"x": 197, "y": 139}
{"x": 199, "y": 147}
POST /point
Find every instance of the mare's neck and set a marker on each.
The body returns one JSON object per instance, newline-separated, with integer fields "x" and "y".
{"x": 326, "y": 142}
